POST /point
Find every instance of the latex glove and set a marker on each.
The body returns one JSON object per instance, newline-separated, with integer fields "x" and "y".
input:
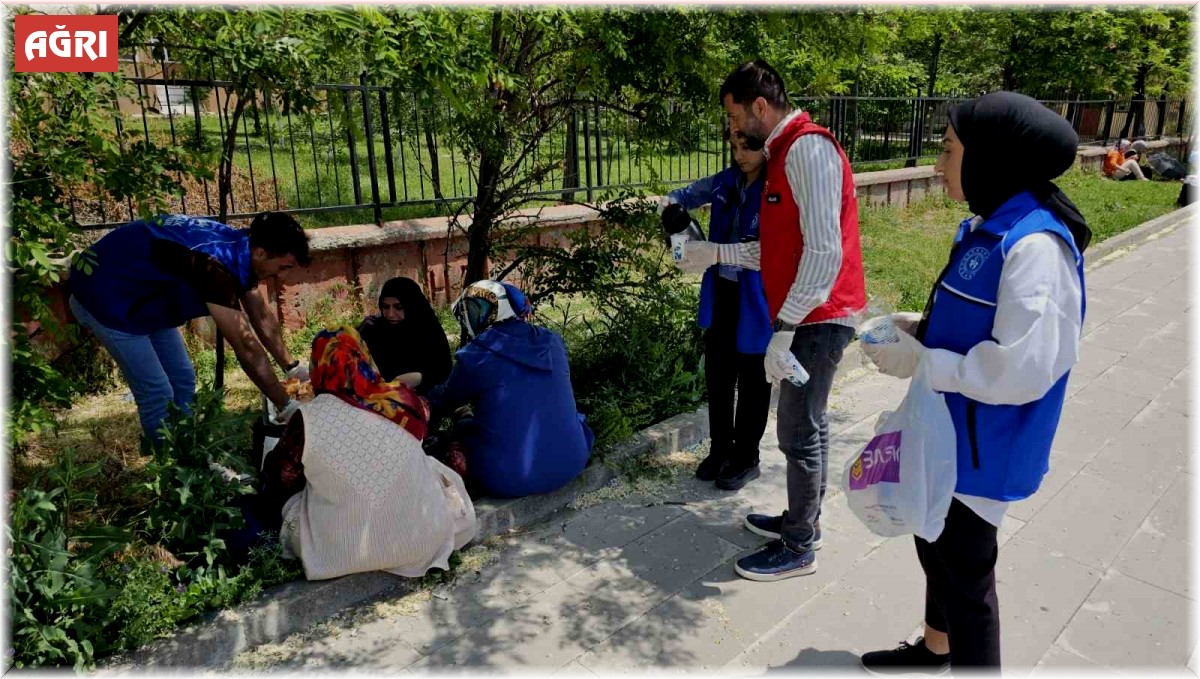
{"x": 411, "y": 380}
{"x": 907, "y": 321}
{"x": 898, "y": 359}
{"x": 662, "y": 204}
{"x": 286, "y": 414}
{"x": 300, "y": 372}
{"x": 780, "y": 363}
{"x": 697, "y": 256}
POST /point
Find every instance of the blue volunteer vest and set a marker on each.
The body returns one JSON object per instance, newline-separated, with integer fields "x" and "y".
{"x": 133, "y": 289}
{"x": 1003, "y": 450}
{"x": 733, "y": 218}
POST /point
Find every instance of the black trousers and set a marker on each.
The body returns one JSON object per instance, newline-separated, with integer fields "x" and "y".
{"x": 735, "y": 430}
{"x": 960, "y": 587}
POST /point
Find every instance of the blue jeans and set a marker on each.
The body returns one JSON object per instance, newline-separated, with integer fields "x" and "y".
{"x": 803, "y": 428}
{"x": 156, "y": 367}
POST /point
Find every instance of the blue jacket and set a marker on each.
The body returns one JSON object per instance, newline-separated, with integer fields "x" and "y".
{"x": 733, "y": 219}
{"x": 525, "y": 436}
{"x": 1003, "y": 450}
{"x": 160, "y": 273}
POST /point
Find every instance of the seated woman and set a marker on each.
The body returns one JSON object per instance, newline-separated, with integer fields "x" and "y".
{"x": 524, "y": 435}
{"x": 357, "y": 491}
{"x": 406, "y": 339}
{"x": 1120, "y": 166}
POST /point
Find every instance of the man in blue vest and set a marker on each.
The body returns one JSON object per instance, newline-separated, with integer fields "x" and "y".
{"x": 149, "y": 277}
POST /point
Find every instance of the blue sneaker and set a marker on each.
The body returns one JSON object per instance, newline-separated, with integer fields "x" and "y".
{"x": 776, "y": 561}
{"x": 770, "y": 526}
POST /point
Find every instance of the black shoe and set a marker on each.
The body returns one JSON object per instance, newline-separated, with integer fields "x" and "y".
{"x": 735, "y": 475}
{"x": 908, "y": 658}
{"x": 776, "y": 561}
{"x": 770, "y": 526}
{"x": 711, "y": 466}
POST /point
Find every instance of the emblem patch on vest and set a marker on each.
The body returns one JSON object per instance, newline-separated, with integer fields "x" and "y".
{"x": 972, "y": 262}
{"x": 772, "y": 197}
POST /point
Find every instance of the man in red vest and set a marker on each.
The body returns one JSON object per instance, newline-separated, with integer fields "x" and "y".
{"x": 811, "y": 262}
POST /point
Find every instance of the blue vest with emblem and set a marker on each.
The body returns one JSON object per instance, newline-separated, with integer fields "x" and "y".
{"x": 1003, "y": 450}
{"x": 733, "y": 218}
{"x": 130, "y": 291}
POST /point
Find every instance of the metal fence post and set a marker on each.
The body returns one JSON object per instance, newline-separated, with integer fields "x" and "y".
{"x": 571, "y": 160}
{"x": 1182, "y": 117}
{"x": 370, "y": 130}
{"x": 1162, "y": 116}
{"x": 352, "y": 145}
{"x": 1109, "y": 111}
{"x": 587, "y": 155}
{"x": 599, "y": 153}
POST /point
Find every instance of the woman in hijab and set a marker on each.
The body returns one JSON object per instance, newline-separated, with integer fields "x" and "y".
{"x": 406, "y": 339}
{"x": 357, "y": 491}
{"x": 998, "y": 338}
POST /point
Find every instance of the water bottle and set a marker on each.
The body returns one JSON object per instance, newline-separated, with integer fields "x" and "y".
{"x": 799, "y": 375}
{"x": 878, "y": 328}
{"x": 680, "y": 227}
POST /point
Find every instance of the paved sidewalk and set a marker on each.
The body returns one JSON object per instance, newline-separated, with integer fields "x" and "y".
{"x": 1093, "y": 570}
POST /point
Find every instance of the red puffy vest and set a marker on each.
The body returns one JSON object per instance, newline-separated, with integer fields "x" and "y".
{"x": 783, "y": 242}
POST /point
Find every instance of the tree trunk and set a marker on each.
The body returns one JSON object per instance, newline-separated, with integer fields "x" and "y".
{"x": 1009, "y": 74}
{"x": 1133, "y": 121}
{"x": 486, "y": 212}
{"x": 933, "y": 64}
{"x": 225, "y": 181}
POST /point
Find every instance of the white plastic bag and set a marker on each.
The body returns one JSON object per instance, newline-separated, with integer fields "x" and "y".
{"x": 902, "y": 482}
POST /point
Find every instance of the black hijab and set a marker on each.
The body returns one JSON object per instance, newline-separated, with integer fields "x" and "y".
{"x": 1012, "y": 143}
{"x": 416, "y": 344}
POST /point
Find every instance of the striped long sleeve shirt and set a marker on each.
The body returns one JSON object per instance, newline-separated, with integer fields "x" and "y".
{"x": 814, "y": 171}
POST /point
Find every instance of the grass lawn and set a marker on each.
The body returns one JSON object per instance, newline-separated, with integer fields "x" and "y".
{"x": 905, "y": 249}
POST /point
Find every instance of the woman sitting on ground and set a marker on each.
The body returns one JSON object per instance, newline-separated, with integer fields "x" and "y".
{"x": 1120, "y": 167}
{"x": 406, "y": 339}
{"x": 523, "y": 435}
{"x": 356, "y": 490}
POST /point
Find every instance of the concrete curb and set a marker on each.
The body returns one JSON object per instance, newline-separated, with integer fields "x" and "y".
{"x": 296, "y": 606}
{"x": 1102, "y": 253}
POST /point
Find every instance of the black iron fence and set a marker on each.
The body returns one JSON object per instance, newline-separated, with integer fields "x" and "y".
{"x": 378, "y": 151}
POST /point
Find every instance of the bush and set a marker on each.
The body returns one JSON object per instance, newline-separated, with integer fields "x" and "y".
{"x": 195, "y": 475}
{"x": 58, "y": 600}
{"x": 635, "y": 348}
{"x": 79, "y": 591}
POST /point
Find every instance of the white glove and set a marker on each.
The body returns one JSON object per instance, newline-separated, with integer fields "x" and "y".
{"x": 411, "y": 380}
{"x": 697, "y": 256}
{"x": 899, "y": 358}
{"x": 288, "y": 410}
{"x": 300, "y": 372}
{"x": 662, "y": 204}
{"x": 780, "y": 363}
{"x": 907, "y": 321}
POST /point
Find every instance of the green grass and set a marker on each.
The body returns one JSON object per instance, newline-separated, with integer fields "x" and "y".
{"x": 905, "y": 249}
{"x": 322, "y": 174}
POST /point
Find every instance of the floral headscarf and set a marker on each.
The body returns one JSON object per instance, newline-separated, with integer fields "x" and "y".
{"x": 342, "y": 366}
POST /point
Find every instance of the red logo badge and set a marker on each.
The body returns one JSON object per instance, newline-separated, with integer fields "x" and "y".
{"x": 65, "y": 43}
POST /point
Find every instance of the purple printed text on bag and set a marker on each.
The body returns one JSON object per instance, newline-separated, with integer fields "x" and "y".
{"x": 878, "y": 462}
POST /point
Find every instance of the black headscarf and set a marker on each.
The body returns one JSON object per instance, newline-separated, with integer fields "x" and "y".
{"x": 1012, "y": 143}
{"x": 416, "y": 344}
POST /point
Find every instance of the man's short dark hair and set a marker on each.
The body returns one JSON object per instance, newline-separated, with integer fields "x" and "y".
{"x": 752, "y": 80}
{"x": 280, "y": 235}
